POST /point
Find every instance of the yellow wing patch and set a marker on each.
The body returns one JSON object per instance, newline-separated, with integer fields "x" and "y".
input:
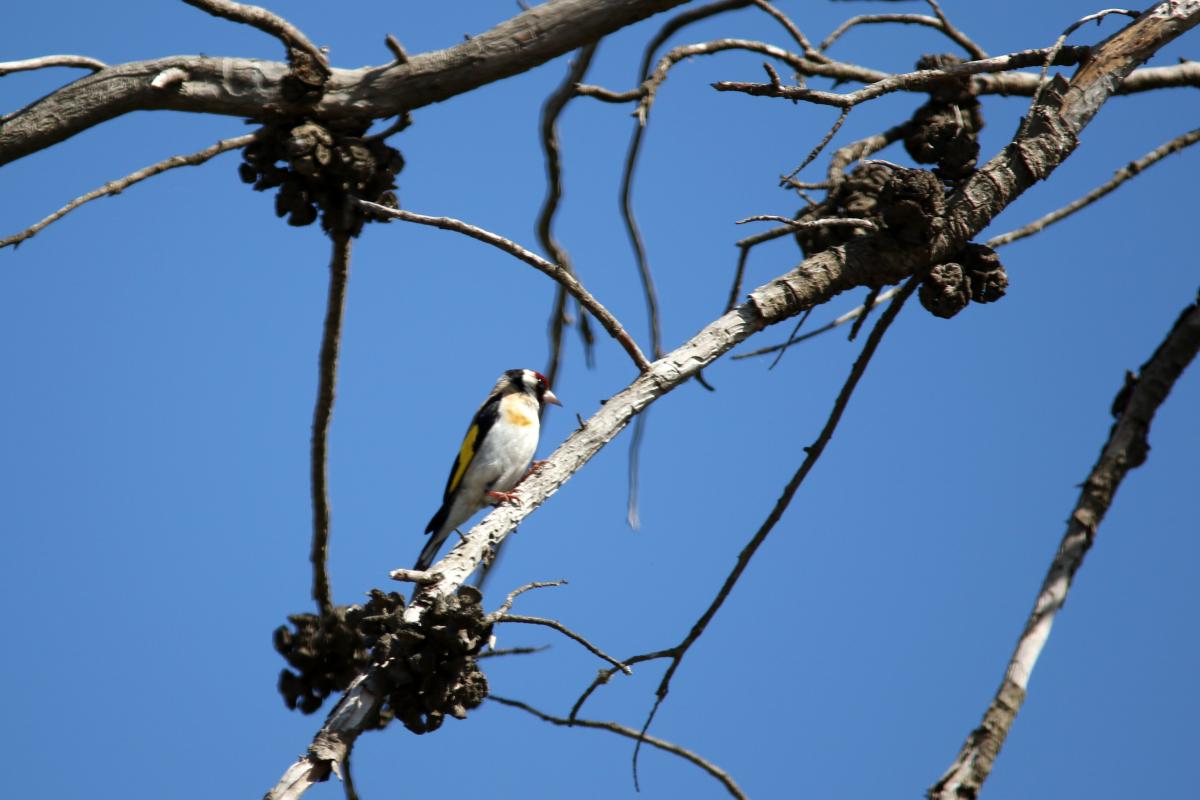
{"x": 465, "y": 454}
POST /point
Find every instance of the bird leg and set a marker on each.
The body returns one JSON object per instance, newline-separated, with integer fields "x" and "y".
{"x": 503, "y": 497}
{"x": 512, "y": 497}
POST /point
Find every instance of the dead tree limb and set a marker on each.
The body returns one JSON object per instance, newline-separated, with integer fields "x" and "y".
{"x": 1126, "y": 449}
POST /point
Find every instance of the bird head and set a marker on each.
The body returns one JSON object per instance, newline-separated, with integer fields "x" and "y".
{"x": 532, "y": 383}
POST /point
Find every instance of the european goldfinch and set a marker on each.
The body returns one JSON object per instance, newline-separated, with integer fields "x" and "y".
{"x": 494, "y": 456}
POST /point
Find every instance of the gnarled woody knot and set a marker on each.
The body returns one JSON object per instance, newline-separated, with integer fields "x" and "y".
{"x": 316, "y": 167}
{"x": 906, "y": 204}
{"x": 946, "y": 129}
{"x": 428, "y": 668}
{"x": 976, "y": 274}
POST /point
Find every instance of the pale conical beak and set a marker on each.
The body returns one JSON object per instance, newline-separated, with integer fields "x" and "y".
{"x": 548, "y": 397}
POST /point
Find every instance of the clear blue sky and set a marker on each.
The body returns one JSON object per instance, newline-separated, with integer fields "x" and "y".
{"x": 160, "y": 358}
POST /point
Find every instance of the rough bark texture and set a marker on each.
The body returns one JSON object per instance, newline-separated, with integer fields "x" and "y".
{"x": 1126, "y": 449}
{"x": 251, "y": 88}
{"x": 1044, "y": 141}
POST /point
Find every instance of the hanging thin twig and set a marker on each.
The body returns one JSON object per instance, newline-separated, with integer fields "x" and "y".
{"x": 339, "y": 272}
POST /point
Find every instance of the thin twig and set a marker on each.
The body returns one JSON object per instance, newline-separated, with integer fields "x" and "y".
{"x": 565, "y": 631}
{"x": 119, "y": 185}
{"x": 814, "y": 452}
{"x": 551, "y": 110}
{"x": 842, "y": 320}
{"x": 605, "y": 675}
{"x": 1053, "y": 51}
{"x": 799, "y": 224}
{"x": 339, "y": 272}
{"x": 794, "y": 31}
{"x": 954, "y": 33}
{"x": 267, "y": 22}
{"x": 554, "y": 271}
{"x": 348, "y": 777}
{"x": 401, "y": 123}
{"x": 816, "y": 151}
{"x": 739, "y": 273}
{"x": 635, "y": 236}
{"x": 42, "y": 62}
{"x": 1126, "y": 448}
{"x": 513, "y": 651}
{"x": 397, "y": 50}
{"x": 629, "y": 733}
{"x": 902, "y": 19}
{"x": 633, "y": 517}
{"x": 1130, "y": 170}
{"x": 907, "y": 81}
{"x": 868, "y": 304}
{"x": 417, "y": 576}
{"x": 799, "y": 324}
{"x": 520, "y": 590}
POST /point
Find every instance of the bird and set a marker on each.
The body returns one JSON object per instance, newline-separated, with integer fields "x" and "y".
{"x": 495, "y": 455}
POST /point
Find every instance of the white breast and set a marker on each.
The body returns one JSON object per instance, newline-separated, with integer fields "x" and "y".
{"x": 509, "y": 446}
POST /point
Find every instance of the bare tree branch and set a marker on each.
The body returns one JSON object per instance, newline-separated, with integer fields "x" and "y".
{"x": 348, "y": 779}
{"x": 565, "y": 631}
{"x": 1126, "y": 449}
{"x": 908, "y": 81}
{"x": 629, "y": 733}
{"x": 339, "y": 272}
{"x": 849, "y": 316}
{"x": 267, "y": 22}
{"x": 813, "y": 452}
{"x": 1185, "y": 74}
{"x": 554, "y": 271}
{"x": 42, "y": 62}
{"x": 119, "y": 185}
{"x": 816, "y": 151}
{"x": 512, "y": 651}
{"x": 904, "y": 19}
{"x": 244, "y": 87}
{"x": 955, "y": 34}
{"x": 800, "y": 224}
{"x": 520, "y": 590}
{"x": 551, "y": 111}
{"x": 793, "y": 31}
{"x": 1130, "y": 170}
{"x": 1064, "y": 112}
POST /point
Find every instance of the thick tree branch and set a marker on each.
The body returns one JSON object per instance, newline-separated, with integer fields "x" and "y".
{"x": 1126, "y": 449}
{"x": 244, "y": 87}
{"x": 1052, "y": 137}
{"x": 1130, "y": 170}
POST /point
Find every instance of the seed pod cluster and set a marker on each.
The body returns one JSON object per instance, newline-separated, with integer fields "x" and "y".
{"x": 945, "y": 131}
{"x": 975, "y": 274}
{"x": 317, "y": 168}
{"x": 905, "y": 204}
{"x": 433, "y": 665}
{"x": 328, "y": 652}
{"x": 427, "y": 671}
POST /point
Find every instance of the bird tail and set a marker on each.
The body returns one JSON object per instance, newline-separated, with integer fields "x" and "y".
{"x": 439, "y": 530}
